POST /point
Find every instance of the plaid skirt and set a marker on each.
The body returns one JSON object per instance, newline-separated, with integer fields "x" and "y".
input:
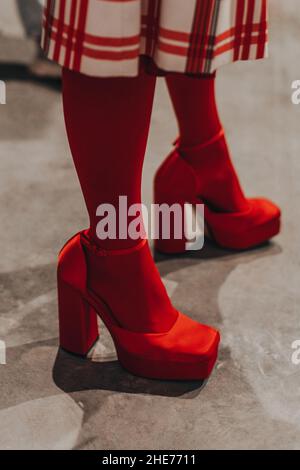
{"x": 107, "y": 37}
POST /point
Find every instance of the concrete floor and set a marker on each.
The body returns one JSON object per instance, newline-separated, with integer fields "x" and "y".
{"x": 52, "y": 400}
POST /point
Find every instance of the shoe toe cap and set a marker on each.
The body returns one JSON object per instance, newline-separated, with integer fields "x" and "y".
{"x": 266, "y": 209}
{"x": 196, "y": 340}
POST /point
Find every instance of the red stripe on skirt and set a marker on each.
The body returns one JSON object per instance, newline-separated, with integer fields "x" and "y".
{"x": 257, "y": 28}
{"x": 61, "y": 15}
{"x": 80, "y": 34}
{"x": 197, "y": 27}
{"x": 151, "y": 25}
{"x": 97, "y": 40}
{"x": 200, "y": 37}
{"x": 101, "y": 54}
{"x": 202, "y": 53}
{"x": 248, "y": 32}
{"x": 185, "y": 37}
{"x": 70, "y": 33}
{"x": 182, "y": 51}
{"x": 263, "y": 33}
{"x": 231, "y": 45}
{"x": 238, "y": 28}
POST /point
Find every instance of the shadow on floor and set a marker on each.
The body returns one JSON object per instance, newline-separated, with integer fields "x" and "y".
{"x": 20, "y": 72}
{"x": 30, "y": 103}
{"x": 74, "y": 374}
{"x": 211, "y": 251}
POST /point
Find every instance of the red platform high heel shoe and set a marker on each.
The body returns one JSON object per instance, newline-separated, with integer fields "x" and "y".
{"x": 188, "y": 350}
{"x": 231, "y": 219}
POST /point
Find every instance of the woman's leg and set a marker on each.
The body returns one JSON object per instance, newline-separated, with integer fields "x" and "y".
{"x": 199, "y": 125}
{"x": 195, "y": 106}
{"x": 200, "y": 170}
{"x": 107, "y": 121}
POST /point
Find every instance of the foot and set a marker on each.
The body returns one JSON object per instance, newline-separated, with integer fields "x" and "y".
{"x": 205, "y": 174}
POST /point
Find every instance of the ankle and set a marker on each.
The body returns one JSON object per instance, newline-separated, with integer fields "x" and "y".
{"x": 195, "y": 153}
{"x": 129, "y": 283}
{"x": 111, "y": 244}
{"x": 203, "y": 137}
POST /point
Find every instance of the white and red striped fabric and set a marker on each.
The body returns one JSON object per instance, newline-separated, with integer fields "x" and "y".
{"x": 107, "y": 37}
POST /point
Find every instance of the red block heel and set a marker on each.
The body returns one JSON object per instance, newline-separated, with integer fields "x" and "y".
{"x": 232, "y": 220}
{"x": 78, "y": 329}
{"x": 187, "y": 351}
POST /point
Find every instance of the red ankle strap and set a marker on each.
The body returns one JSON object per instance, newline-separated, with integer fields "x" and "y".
{"x": 101, "y": 252}
{"x": 204, "y": 145}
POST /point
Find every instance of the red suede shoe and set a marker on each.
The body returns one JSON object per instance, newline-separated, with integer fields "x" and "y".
{"x": 187, "y": 351}
{"x": 205, "y": 175}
